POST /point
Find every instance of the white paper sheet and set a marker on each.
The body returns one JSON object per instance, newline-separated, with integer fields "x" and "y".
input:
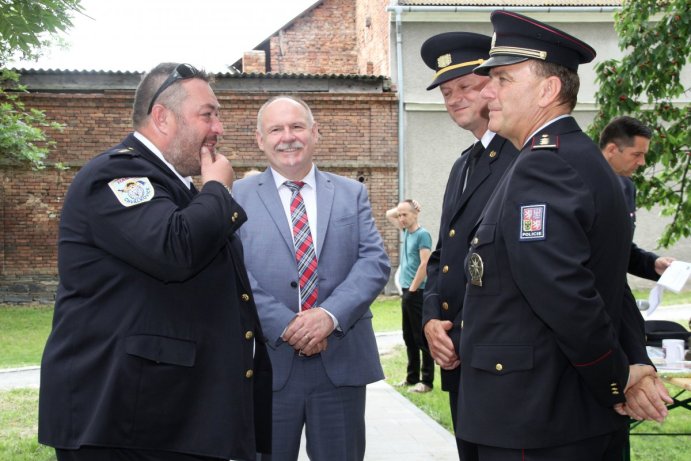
{"x": 673, "y": 279}
{"x": 654, "y": 299}
{"x": 675, "y": 276}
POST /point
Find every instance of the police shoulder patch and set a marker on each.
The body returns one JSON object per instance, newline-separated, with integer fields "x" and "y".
{"x": 132, "y": 191}
{"x": 533, "y": 219}
{"x": 545, "y": 141}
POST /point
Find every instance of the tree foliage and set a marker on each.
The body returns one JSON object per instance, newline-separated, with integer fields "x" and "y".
{"x": 26, "y": 27}
{"x": 655, "y": 36}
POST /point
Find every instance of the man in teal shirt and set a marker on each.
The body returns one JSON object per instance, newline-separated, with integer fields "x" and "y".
{"x": 417, "y": 244}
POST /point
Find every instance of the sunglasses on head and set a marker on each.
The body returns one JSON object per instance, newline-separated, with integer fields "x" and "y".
{"x": 181, "y": 72}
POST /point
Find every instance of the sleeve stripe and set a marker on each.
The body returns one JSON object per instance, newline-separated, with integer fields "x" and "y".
{"x": 601, "y": 358}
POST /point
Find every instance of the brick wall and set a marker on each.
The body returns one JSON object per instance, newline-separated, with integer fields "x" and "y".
{"x": 358, "y": 140}
{"x": 323, "y": 41}
{"x": 335, "y": 37}
{"x": 373, "y": 37}
{"x": 254, "y": 61}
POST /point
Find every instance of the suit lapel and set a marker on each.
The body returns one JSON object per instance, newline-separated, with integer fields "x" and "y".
{"x": 482, "y": 170}
{"x": 325, "y": 199}
{"x": 268, "y": 194}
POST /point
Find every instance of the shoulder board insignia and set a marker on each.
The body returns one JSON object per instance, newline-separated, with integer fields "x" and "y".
{"x": 123, "y": 151}
{"x": 132, "y": 191}
{"x": 545, "y": 141}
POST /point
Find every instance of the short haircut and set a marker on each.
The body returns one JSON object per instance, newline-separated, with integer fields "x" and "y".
{"x": 413, "y": 204}
{"x": 310, "y": 117}
{"x": 172, "y": 97}
{"x": 570, "y": 83}
{"x": 621, "y": 131}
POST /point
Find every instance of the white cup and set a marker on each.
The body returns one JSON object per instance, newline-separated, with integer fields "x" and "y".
{"x": 674, "y": 352}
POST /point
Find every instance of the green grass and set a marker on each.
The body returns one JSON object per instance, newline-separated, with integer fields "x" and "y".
{"x": 434, "y": 403}
{"x": 386, "y": 312}
{"x": 18, "y": 426}
{"x": 24, "y": 333}
{"x": 668, "y": 298}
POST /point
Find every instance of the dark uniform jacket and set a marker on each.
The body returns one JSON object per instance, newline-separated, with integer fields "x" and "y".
{"x": 641, "y": 262}
{"x": 542, "y": 364}
{"x": 445, "y": 287}
{"x": 156, "y": 342}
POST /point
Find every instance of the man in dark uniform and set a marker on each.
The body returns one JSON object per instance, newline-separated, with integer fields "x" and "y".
{"x": 542, "y": 364}
{"x": 156, "y": 352}
{"x": 453, "y": 55}
{"x": 624, "y": 142}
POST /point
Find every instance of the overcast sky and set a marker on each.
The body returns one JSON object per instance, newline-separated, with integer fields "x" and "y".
{"x": 135, "y": 35}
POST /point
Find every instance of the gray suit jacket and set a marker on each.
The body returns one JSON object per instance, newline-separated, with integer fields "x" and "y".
{"x": 352, "y": 269}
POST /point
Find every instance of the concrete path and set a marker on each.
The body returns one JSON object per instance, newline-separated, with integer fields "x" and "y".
{"x": 12, "y": 378}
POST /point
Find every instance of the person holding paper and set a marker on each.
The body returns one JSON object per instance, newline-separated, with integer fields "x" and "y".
{"x": 624, "y": 142}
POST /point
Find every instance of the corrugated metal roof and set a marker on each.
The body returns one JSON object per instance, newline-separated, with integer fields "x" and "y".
{"x": 98, "y": 80}
{"x": 31, "y": 70}
{"x": 301, "y": 75}
{"x": 271, "y": 75}
{"x": 512, "y": 3}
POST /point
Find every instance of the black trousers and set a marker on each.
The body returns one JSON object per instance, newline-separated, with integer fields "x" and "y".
{"x": 414, "y": 339}
{"x": 608, "y": 447}
{"x": 453, "y": 405}
{"x": 122, "y": 454}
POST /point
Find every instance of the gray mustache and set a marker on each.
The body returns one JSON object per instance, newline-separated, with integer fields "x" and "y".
{"x": 292, "y": 145}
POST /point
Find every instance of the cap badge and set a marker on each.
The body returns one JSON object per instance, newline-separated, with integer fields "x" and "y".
{"x": 444, "y": 60}
{"x": 476, "y": 268}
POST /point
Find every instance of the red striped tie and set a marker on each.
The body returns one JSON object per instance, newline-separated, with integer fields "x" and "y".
{"x": 304, "y": 248}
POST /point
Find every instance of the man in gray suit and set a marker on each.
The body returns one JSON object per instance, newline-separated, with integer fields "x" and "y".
{"x": 313, "y": 302}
